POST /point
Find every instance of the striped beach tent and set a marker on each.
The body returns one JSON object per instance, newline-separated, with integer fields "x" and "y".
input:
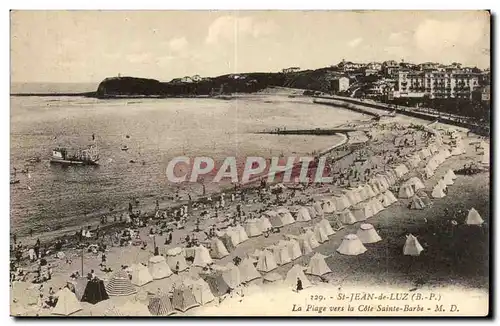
{"x": 160, "y": 306}
{"x": 183, "y": 299}
{"x": 120, "y": 285}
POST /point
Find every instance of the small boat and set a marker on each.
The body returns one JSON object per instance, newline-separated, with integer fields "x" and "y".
{"x": 125, "y": 148}
{"x": 34, "y": 160}
{"x": 89, "y": 156}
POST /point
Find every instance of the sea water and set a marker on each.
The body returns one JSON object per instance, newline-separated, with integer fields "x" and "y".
{"x": 51, "y": 197}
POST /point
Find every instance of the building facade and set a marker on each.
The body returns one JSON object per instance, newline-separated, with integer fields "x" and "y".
{"x": 340, "y": 84}
{"x": 436, "y": 84}
{"x": 390, "y": 68}
{"x": 291, "y": 70}
{"x": 374, "y": 66}
{"x": 380, "y": 88}
{"x": 348, "y": 66}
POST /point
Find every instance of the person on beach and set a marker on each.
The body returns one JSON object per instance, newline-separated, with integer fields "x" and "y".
{"x": 37, "y": 249}
{"x": 31, "y": 254}
{"x": 299, "y": 285}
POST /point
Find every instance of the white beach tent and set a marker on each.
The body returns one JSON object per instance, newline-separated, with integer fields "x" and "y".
{"x": 266, "y": 262}
{"x": 252, "y": 228}
{"x": 341, "y": 202}
{"x": 248, "y": 272}
{"x": 293, "y": 248}
{"x": 327, "y": 205}
{"x": 230, "y": 237}
{"x": 412, "y": 247}
{"x": 312, "y": 212}
{"x": 311, "y": 238}
{"x": 217, "y": 249}
{"x": 140, "y": 275}
{"x": 317, "y": 265}
{"x": 415, "y": 183}
{"x": 369, "y": 191}
{"x": 377, "y": 189}
{"x": 448, "y": 180}
{"x": 275, "y": 219}
{"x": 346, "y": 217}
{"x": 424, "y": 153}
{"x": 201, "y": 256}
{"x": 305, "y": 246}
{"x": 264, "y": 224}
{"x": 428, "y": 172}
{"x": 303, "y": 215}
{"x": 473, "y": 218}
{"x": 401, "y": 170}
{"x": 417, "y": 203}
{"x": 361, "y": 191}
{"x": 320, "y": 233}
{"x": 377, "y": 205}
{"x": 242, "y": 235}
{"x": 255, "y": 255}
{"x": 175, "y": 257}
{"x": 367, "y": 234}
{"x": 354, "y": 196}
{"x": 158, "y": 267}
{"x": 201, "y": 290}
{"x": 285, "y": 215}
{"x": 231, "y": 275}
{"x": 351, "y": 246}
{"x": 486, "y": 158}
{"x": 362, "y": 211}
{"x": 326, "y": 226}
{"x": 317, "y": 207}
{"x": 451, "y": 175}
{"x": 413, "y": 160}
{"x": 280, "y": 252}
{"x": 406, "y": 191}
{"x": 442, "y": 184}
{"x": 67, "y": 303}
{"x": 389, "y": 198}
{"x": 297, "y": 272}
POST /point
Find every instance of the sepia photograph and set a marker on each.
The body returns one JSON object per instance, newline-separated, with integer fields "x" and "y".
{"x": 273, "y": 163}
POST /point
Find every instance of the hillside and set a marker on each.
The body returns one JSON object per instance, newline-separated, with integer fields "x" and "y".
{"x": 318, "y": 80}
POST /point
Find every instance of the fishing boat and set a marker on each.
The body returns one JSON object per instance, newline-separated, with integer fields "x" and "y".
{"x": 88, "y": 156}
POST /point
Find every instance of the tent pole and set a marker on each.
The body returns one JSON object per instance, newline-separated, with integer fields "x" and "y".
{"x": 82, "y": 262}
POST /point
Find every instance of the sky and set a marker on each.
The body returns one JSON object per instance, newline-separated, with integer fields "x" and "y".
{"x": 88, "y": 46}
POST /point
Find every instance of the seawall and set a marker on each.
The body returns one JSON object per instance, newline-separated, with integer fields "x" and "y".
{"x": 408, "y": 111}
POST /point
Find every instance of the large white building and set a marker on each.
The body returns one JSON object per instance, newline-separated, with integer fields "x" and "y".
{"x": 450, "y": 83}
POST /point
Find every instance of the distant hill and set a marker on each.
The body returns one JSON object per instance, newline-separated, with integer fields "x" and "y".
{"x": 316, "y": 80}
